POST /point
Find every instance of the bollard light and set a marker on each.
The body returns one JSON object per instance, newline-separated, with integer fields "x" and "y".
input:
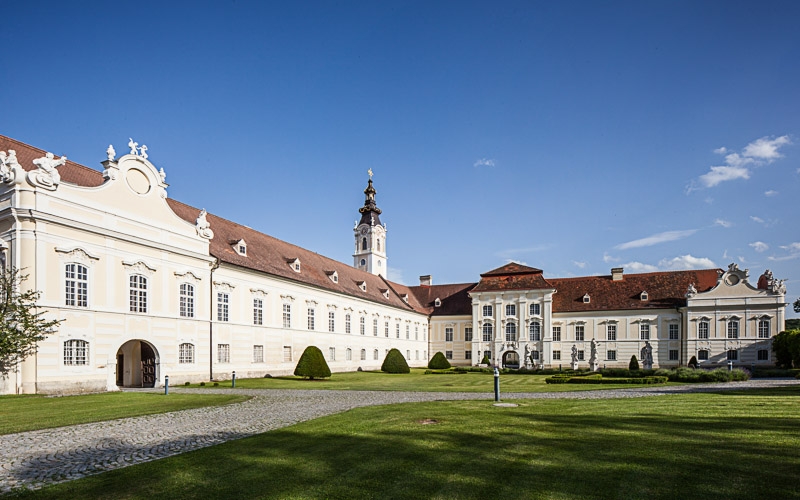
{"x": 166, "y": 384}
{"x": 233, "y": 379}
{"x": 496, "y": 384}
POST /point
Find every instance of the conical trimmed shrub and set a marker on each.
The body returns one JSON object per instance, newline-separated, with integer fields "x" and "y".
{"x": 395, "y": 363}
{"x": 634, "y": 364}
{"x": 486, "y": 361}
{"x": 312, "y": 364}
{"x": 438, "y": 362}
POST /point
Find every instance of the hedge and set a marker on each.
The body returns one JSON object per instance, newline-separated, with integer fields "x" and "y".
{"x": 599, "y": 380}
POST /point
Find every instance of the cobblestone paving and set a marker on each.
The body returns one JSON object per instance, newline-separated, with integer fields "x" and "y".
{"x": 38, "y": 458}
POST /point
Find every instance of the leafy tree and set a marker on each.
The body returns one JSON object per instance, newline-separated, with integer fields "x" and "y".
{"x": 438, "y": 362}
{"x": 312, "y": 364}
{"x": 395, "y": 363}
{"x": 793, "y": 324}
{"x": 22, "y": 324}
{"x": 786, "y": 346}
{"x": 634, "y": 364}
{"x": 796, "y": 305}
{"x": 693, "y": 362}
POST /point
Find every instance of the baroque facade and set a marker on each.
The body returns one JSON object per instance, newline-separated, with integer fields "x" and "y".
{"x": 150, "y": 287}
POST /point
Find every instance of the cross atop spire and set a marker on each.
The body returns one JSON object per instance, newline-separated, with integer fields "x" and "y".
{"x": 370, "y": 173}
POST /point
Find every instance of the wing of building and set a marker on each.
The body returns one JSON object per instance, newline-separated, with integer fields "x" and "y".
{"x": 150, "y": 287}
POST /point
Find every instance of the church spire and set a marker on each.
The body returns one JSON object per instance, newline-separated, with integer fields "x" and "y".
{"x": 370, "y": 213}
{"x": 370, "y": 236}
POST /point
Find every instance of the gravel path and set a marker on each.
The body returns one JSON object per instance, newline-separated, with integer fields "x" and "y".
{"x": 38, "y": 458}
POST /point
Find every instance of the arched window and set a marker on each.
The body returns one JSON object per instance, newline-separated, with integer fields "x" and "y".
{"x": 702, "y": 329}
{"x": 363, "y": 243}
{"x": 379, "y": 244}
{"x": 511, "y": 332}
{"x": 138, "y": 293}
{"x": 186, "y": 353}
{"x": 536, "y": 331}
{"x": 77, "y": 285}
{"x": 76, "y": 353}
{"x": 487, "y": 332}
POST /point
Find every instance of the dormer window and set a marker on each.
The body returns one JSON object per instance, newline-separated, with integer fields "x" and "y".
{"x": 643, "y": 296}
{"x": 362, "y": 285}
{"x": 333, "y": 275}
{"x": 586, "y": 299}
{"x": 241, "y": 248}
{"x": 404, "y": 297}
{"x": 385, "y": 292}
{"x": 294, "y": 264}
{"x": 437, "y": 302}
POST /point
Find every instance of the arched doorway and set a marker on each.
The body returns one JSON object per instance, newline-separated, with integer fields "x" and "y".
{"x": 137, "y": 364}
{"x": 511, "y": 360}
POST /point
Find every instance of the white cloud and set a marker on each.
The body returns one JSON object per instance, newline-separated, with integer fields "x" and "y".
{"x": 638, "y": 267}
{"x": 792, "y": 247}
{"x": 759, "y": 246}
{"x": 756, "y": 219}
{"x": 686, "y": 262}
{"x": 709, "y": 200}
{"x": 579, "y": 264}
{"x": 741, "y": 259}
{"x": 771, "y": 192}
{"x": 725, "y": 254}
{"x": 759, "y": 152}
{"x": 609, "y": 259}
{"x": 722, "y": 222}
{"x": 656, "y": 239}
{"x": 485, "y": 162}
{"x": 766, "y": 149}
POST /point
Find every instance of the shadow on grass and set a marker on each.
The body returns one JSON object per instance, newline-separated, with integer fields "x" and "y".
{"x": 486, "y": 453}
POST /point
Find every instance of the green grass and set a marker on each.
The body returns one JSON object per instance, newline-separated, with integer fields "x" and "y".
{"x": 711, "y": 446}
{"x": 28, "y": 413}
{"x": 414, "y": 381}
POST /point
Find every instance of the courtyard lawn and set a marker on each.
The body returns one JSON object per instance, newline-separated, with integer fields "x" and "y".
{"x": 711, "y": 446}
{"x": 417, "y": 381}
{"x": 29, "y": 413}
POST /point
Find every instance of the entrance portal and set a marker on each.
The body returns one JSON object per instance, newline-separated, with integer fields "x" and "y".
{"x": 137, "y": 364}
{"x": 511, "y": 360}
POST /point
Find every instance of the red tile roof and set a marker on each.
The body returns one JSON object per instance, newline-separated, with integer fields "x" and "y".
{"x": 455, "y": 299}
{"x": 71, "y": 172}
{"x": 512, "y": 276}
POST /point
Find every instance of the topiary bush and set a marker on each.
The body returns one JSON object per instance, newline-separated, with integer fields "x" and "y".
{"x": 485, "y": 360}
{"x": 693, "y": 362}
{"x": 395, "y": 363}
{"x": 312, "y": 364}
{"x": 438, "y": 362}
{"x": 634, "y": 364}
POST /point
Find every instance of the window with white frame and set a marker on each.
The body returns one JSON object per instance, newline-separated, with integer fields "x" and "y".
{"x": 733, "y": 328}
{"x": 467, "y": 334}
{"x": 348, "y": 354}
{"x": 673, "y": 355}
{"x": 376, "y": 354}
{"x": 644, "y": 331}
{"x": 346, "y": 323}
{"x": 467, "y": 355}
{"x": 611, "y": 355}
{"x": 258, "y": 354}
{"x": 556, "y": 334}
{"x": 511, "y": 310}
{"x": 138, "y": 294}
{"x": 186, "y": 300}
{"x": 535, "y": 331}
{"x": 408, "y": 354}
{"x": 556, "y": 355}
{"x": 311, "y": 317}
{"x": 223, "y": 353}
{"x": 76, "y": 353}
{"x": 580, "y": 355}
{"x": 702, "y": 329}
{"x": 487, "y": 311}
{"x": 222, "y": 306}
{"x": 77, "y": 285}
{"x": 448, "y": 334}
{"x": 733, "y": 355}
{"x": 287, "y": 353}
{"x": 287, "y": 315}
{"x": 611, "y": 332}
{"x": 416, "y": 332}
{"x": 258, "y": 311}
{"x": 363, "y": 354}
{"x": 535, "y": 355}
{"x": 397, "y": 331}
{"x": 416, "y": 355}
{"x": 763, "y": 355}
{"x": 331, "y": 354}
{"x": 448, "y": 354}
{"x": 487, "y": 332}
{"x": 535, "y": 309}
{"x": 702, "y": 355}
{"x": 331, "y": 321}
{"x": 362, "y": 325}
{"x": 375, "y": 327}
{"x": 408, "y": 332}
{"x": 386, "y": 329}
{"x": 185, "y": 353}
{"x": 674, "y": 331}
{"x": 763, "y": 328}
{"x": 511, "y": 332}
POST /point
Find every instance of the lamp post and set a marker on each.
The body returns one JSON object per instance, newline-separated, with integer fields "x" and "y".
{"x": 166, "y": 384}
{"x": 496, "y": 384}
{"x": 233, "y": 379}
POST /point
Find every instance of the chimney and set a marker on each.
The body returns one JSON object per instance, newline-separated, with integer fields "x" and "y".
{"x": 616, "y": 274}
{"x": 425, "y": 280}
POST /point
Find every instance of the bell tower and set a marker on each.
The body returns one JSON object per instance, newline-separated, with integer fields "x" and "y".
{"x": 370, "y": 236}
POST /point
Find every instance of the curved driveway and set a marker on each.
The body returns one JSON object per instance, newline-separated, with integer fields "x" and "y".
{"x": 37, "y": 458}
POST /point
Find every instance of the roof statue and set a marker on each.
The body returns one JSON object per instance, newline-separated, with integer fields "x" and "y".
{"x": 134, "y": 146}
{"x": 691, "y": 291}
{"x": 203, "y": 226}
{"x": 46, "y": 176}
{"x": 163, "y": 175}
{"x": 143, "y": 151}
{"x": 111, "y": 153}
{"x": 9, "y": 166}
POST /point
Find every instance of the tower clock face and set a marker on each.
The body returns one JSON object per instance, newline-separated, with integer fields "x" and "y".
{"x": 364, "y": 230}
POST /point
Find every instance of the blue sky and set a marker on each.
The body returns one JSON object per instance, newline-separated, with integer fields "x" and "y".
{"x": 570, "y": 136}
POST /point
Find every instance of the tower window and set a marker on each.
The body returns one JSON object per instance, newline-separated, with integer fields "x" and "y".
{"x": 363, "y": 243}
